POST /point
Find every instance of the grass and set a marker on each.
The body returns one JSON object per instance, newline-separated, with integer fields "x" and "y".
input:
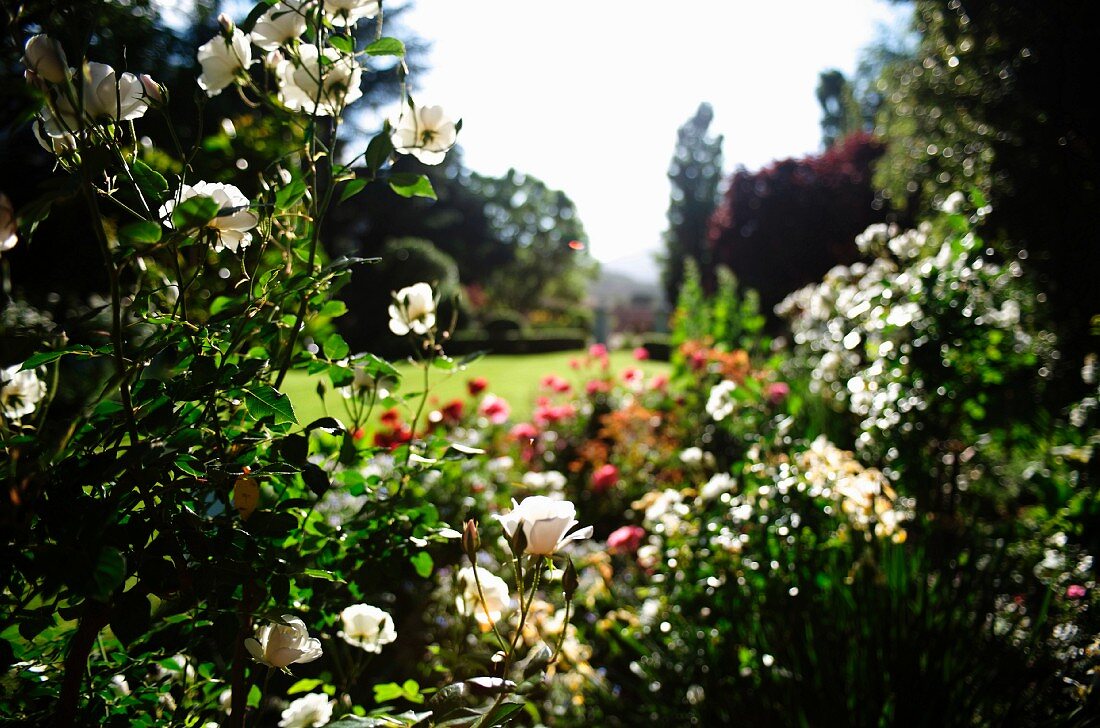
{"x": 514, "y": 377}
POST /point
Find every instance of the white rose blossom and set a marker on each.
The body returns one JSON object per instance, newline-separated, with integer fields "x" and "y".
{"x": 105, "y": 97}
{"x": 545, "y": 522}
{"x": 367, "y": 627}
{"x": 281, "y": 24}
{"x": 232, "y": 222}
{"x": 413, "y": 310}
{"x": 319, "y": 88}
{"x": 720, "y": 403}
{"x": 716, "y": 486}
{"x": 224, "y": 60}
{"x": 424, "y": 132}
{"x": 497, "y": 599}
{"x": 9, "y": 224}
{"x": 20, "y": 392}
{"x": 45, "y": 57}
{"x": 349, "y": 12}
{"x": 281, "y": 645}
{"x": 308, "y": 711}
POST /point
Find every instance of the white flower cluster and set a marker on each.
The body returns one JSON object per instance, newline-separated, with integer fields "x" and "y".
{"x": 864, "y": 324}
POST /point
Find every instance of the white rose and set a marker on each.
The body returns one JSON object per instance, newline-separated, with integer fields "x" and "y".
{"x": 424, "y": 132}
{"x": 367, "y": 627}
{"x": 282, "y": 645}
{"x": 495, "y": 590}
{"x": 233, "y": 221}
{"x": 20, "y": 392}
{"x": 716, "y": 486}
{"x": 9, "y": 225}
{"x": 278, "y": 26}
{"x": 106, "y": 97}
{"x": 349, "y": 12}
{"x": 308, "y": 711}
{"x": 545, "y": 523}
{"x": 720, "y": 403}
{"x": 46, "y": 57}
{"x": 413, "y": 310}
{"x": 319, "y": 88}
{"x": 223, "y": 60}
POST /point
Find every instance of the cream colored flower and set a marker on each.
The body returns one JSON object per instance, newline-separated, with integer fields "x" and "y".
{"x": 224, "y": 61}
{"x": 413, "y": 310}
{"x": 424, "y": 132}
{"x": 281, "y": 645}
{"x": 105, "y": 97}
{"x": 308, "y": 711}
{"x": 233, "y": 221}
{"x": 497, "y": 599}
{"x": 545, "y": 523}
{"x": 281, "y": 24}
{"x": 9, "y": 225}
{"x": 319, "y": 88}
{"x": 367, "y": 627}
{"x": 349, "y": 12}
{"x": 44, "y": 56}
{"x": 20, "y": 392}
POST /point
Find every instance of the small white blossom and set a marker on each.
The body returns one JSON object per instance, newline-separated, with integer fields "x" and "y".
{"x": 349, "y": 12}
{"x": 232, "y": 223}
{"x": 106, "y": 97}
{"x": 281, "y": 24}
{"x": 308, "y": 711}
{"x": 20, "y": 392}
{"x": 319, "y": 88}
{"x": 954, "y": 204}
{"x": 45, "y": 57}
{"x": 720, "y": 403}
{"x": 718, "y": 484}
{"x": 413, "y": 310}
{"x": 424, "y": 132}
{"x": 367, "y": 627}
{"x": 281, "y": 645}
{"x": 224, "y": 61}
{"x": 487, "y": 612}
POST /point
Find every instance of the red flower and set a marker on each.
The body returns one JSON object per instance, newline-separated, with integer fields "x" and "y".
{"x": 777, "y": 392}
{"x": 625, "y": 540}
{"x": 596, "y": 385}
{"x": 495, "y": 409}
{"x": 641, "y": 353}
{"x": 452, "y": 411}
{"x": 390, "y": 417}
{"x": 605, "y": 477}
{"x": 476, "y": 386}
{"x": 597, "y": 351}
{"x": 524, "y": 431}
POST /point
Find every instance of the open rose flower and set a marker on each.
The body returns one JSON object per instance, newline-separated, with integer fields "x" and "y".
{"x": 308, "y": 711}
{"x": 424, "y": 132}
{"x": 545, "y": 522}
{"x": 281, "y": 645}
{"x": 625, "y": 539}
{"x": 224, "y": 61}
{"x": 232, "y": 223}
{"x": 349, "y": 12}
{"x": 413, "y": 310}
{"x": 106, "y": 98}
{"x": 605, "y": 477}
{"x": 20, "y": 392}
{"x": 282, "y": 23}
{"x": 319, "y": 87}
{"x": 367, "y": 627}
{"x": 495, "y": 409}
{"x": 486, "y": 611}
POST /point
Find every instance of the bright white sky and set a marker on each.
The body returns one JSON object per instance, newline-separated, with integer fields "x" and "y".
{"x": 587, "y": 94}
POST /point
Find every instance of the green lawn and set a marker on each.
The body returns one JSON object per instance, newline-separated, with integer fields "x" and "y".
{"x": 515, "y": 378}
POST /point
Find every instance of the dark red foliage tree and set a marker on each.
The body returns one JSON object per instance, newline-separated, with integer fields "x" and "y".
{"x": 784, "y": 226}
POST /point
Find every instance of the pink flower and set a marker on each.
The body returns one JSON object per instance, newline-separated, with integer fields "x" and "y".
{"x": 574, "y": 363}
{"x": 659, "y": 382}
{"x": 633, "y": 378}
{"x": 495, "y": 408}
{"x": 596, "y": 385}
{"x": 776, "y": 392}
{"x": 556, "y": 383}
{"x": 476, "y": 386}
{"x": 605, "y": 477}
{"x": 641, "y": 353}
{"x": 1075, "y": 591}
{"x": 547, "y": 413}
{"x": 597, "y": 351}
{"x": 524, "y": 431}
{"x": 626, "y": 539}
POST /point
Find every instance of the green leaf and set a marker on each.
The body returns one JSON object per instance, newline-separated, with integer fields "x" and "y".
{"x": 287, "y": 196}
{"x": 151, "y": 182}
{"x": 37, "y": 360}
{"x": 412, "y": 185}
{"x": 304, "y": 686}
{"x": 194, "y": 212}
{"x": 409, "y": 690}
{"x": 333, "y": 308}
{"x": 108, "y": 573}
{"x": 322, "y": 574}
{"x": 336, "y": 347}
{"x": 265, "y": 401}
{"x": 254, "y": 696}
{"x": 342, "y": 43}
{"x": 379, "y": 150}
{"x": 352, "y": 188}
{"x": 386, "y": 47}
{"x": 145, "y": 231}
{"x": 423, "y": 564}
